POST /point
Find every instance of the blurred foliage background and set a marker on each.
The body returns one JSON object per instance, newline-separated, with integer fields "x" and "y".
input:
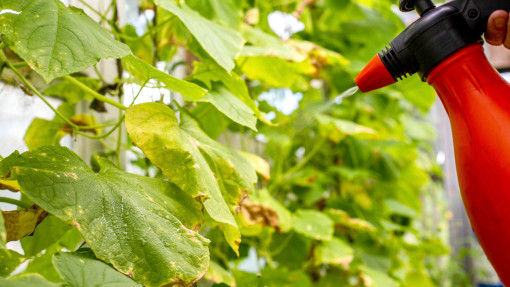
{"x": 349, "y": 192}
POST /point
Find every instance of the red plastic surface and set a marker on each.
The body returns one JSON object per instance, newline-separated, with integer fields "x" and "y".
{"x": 477, "y": 100}
{"x": 374, "y": 76}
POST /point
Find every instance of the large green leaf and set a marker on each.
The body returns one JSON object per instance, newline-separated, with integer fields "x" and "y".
{"x": 130, "y": 221}
{"x": 82, "y": 271}
{"x": 221, "y": 43}
{"x": 56, "y": 40}
{"x": 197, "y": 164}
{"x": 144, "y": 71}
{"x": 31, "y": 280}
{"x": 313, "y": 224}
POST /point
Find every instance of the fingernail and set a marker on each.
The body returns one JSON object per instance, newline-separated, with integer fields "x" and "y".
{"x": 500, "y": 23}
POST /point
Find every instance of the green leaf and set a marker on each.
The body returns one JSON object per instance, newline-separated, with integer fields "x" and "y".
{"x": 269, "y": 70}
{"x": 377, "y": 278}
{"x": 206, "y": 168}
{"x": 130, "y": 221}
{"x": 81, "y": 271}
{"x": 231, "y": 106}
{"x": 219, "y": 275}
{"x": 31, "y": 280}
{"x": 418, "y": 279}
{"x": 313, "y": 224}
{"x": 42, "y": 132}
{"x": 144, "y": 72}
{"x": 418, "y": 93}
{"x": 208, "y": 72}
{"x": 396, "y": 207}
{"x": 336, "y": 129}
{"x": 9, "y": 260}
{"x": 334, "y": 252}
{"x": 46, "y": 234}
{"x": 221, "y": 43}
{"x": 43, "y": 265}
{"x": 55, "y": 40}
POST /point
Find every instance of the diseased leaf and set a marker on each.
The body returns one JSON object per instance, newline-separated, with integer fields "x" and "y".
{"x": 144, "y": 71}
{"x": 3, "y": 232}
{"x": 56, "y": 40}
{"x": 207, "y": 169}
{"x": 42, "y": 132}
{"x": 31, "y": 280}
{"x": 81, "y": 271}
{"x": 219, "y": 275}
{"x": 231, "y": 106}
{"x": 20, "y": 223}
{"x": 11, "y": 185}
{"x": 334, "y": 252}
{"x": 313, "y": 224}
{"x": 283, "y": 214}
{"x": 235, "y": 175}
{"x": 130, "y": 221}
{"x": 221, "y": 43}
{"x": 9, "y": 260}
{"x": 255, "y": 213}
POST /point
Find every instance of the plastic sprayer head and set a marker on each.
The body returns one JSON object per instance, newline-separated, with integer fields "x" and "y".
{"x": 374, "y": 76}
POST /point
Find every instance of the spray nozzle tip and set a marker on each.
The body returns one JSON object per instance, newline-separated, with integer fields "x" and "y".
{"x": 374, "y": 76}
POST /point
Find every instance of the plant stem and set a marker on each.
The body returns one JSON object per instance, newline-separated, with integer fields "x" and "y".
{"x": 95, "y": 94}
{"x": 34, "y": 90}
{"x": 16, "y": 202}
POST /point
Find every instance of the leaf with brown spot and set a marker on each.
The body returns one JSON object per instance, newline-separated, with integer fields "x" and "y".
{"x": 199, "y": 165}
{"x": 81, "y": 120}
{"x": 21, "y": 223}
{"x": 257, "y": 213}
{"x": 137, "y": 224}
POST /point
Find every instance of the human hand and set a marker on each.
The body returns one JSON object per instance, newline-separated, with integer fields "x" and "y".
{"x": 498, "y": 29}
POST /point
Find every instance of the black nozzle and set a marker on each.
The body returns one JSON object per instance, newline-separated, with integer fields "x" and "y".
{"x": 439, "y": 33}
{"x": 421, "y": 6}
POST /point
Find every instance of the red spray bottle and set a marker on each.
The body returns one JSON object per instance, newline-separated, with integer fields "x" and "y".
{"x": 444, "y": 48}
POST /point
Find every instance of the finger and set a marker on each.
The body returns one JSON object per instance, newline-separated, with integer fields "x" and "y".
{"x": 506, "y": 42}
{"x": 497, "y": 28}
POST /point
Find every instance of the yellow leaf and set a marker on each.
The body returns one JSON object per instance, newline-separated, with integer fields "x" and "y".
{"x": 20, "y": 223}
{"x": 11, "y": 185}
